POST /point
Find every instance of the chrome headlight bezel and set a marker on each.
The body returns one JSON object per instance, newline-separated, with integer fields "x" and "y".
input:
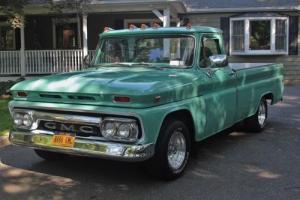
{"x": 26, "y": 117}
{"x": 116, "y": 135}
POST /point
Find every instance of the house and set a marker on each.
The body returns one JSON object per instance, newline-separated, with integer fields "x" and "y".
{"x": 52, "y": 42}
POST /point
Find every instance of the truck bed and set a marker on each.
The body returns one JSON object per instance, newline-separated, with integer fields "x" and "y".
{"x": 241, "y": 66}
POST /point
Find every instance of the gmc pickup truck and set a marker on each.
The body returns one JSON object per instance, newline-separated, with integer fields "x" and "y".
{"x": 147, "y": 96}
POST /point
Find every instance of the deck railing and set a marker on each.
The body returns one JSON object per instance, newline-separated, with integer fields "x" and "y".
{"x": 42, "y": 61}
{"x": 9, "y": 62}
{"x": 52, "y": 61}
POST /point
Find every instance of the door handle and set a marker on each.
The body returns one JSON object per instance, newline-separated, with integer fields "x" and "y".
{"x": 232, "y": 73}
{"x": 210, "y": 72}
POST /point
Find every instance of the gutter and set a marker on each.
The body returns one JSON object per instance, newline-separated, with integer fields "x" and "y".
{"x": 249, "y": 9}
{"x": 117, "y": 6}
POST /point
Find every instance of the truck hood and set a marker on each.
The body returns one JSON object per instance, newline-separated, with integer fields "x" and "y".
{"x": 145, "y": 87}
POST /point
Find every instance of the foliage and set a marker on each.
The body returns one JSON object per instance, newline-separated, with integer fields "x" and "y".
{"x": 76, "y": 5}
{"x": 14, "y": 9}
{"x": 5, "y": 86}
{"x": 5, "y": 119}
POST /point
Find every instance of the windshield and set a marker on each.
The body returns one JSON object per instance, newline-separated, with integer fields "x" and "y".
{"x": 167, "y": 51}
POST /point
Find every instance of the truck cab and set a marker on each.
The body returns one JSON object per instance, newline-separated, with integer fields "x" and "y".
{"x": 147, "y": 96}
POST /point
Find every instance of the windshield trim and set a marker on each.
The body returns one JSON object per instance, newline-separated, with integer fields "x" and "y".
{"x": 101, "y": 43}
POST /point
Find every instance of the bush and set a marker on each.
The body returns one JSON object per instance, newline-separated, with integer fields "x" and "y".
{"x": 5, "y": 86}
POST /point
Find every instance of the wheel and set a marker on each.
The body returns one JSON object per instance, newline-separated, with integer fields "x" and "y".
{"x": 257, "y": 122}
{"x": 51, "y": 156}
{"x": 172, "y": 151}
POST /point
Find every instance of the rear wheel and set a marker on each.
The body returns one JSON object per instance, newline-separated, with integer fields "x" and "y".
{"x": 172, "y": 151}
{"x": 257, "y": 122}
{"x": 51, "y": 156}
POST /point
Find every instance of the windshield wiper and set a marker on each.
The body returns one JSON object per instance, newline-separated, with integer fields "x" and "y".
{"x": 113, "y": 64}
{"x": 142, "y": 63}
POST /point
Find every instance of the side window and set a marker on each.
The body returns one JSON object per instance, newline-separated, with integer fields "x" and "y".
{"x": 210, "y": 47}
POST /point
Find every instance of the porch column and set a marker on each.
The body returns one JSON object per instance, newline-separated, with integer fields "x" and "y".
{"x": 85, "y": 34}
{"x": 22, "y": 52}
{"x": 166, "y": 23}
{"x": 166, "y": 19}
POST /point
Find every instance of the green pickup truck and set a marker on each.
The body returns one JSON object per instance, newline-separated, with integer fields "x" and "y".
{"x": 147, "y": 96}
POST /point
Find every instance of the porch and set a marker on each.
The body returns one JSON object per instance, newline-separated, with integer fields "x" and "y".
{"x": 55, "y": 43}
{"x": 41, "y": 62}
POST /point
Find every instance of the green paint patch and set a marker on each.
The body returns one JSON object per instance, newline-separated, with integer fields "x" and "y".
{"x": 5, "y": 119}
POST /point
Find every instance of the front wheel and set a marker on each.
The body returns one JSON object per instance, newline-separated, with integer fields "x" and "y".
{"x": 172, "y": 151}
{"x": 257, "y": 122}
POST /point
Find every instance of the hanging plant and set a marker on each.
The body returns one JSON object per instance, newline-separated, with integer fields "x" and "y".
{"x": 17, "y": 21}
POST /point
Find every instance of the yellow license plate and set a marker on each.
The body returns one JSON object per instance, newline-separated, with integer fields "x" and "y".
{"x": 63, "y": 140}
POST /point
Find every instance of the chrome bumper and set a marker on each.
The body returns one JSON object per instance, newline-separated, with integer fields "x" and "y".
{"x": 85, "y": 147}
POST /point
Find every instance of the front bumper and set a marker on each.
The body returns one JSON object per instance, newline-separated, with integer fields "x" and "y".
{"x": 85, "y": 147}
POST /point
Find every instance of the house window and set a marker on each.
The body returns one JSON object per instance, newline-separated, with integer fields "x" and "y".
{"x": 7, "y": 38}
{"x": 259, "y": 36}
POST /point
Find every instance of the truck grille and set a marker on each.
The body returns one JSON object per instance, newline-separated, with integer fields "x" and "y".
{"x": 82, "y": 130}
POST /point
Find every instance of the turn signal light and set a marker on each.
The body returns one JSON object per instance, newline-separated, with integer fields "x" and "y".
{"x": 131, "y": 27}
{"x": 144, "y": 26}
{"x": 107, "y": 29}
{"x": 22, "y": 94}
{"x": 155, "y": 25}
{"x": 189, "y": 25}
{"x": 122, "y": 99}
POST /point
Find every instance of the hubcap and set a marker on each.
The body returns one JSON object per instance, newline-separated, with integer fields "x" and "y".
{"x": 262, "y": 114}
{"x": 176, "y": 150}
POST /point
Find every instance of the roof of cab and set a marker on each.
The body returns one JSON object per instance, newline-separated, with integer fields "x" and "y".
{"x": 161, "y": 30}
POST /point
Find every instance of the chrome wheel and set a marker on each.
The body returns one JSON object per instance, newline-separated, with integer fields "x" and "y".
{"x": 176, "y": 150}
{"x": 262, "y": 114}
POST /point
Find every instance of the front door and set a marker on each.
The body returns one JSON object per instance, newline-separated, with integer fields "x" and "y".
{"x": 221, "y": 98}
{"x": 66, "y": 36}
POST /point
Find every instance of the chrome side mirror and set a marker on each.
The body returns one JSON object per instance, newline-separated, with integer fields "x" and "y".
{"x": 218, "y": 60}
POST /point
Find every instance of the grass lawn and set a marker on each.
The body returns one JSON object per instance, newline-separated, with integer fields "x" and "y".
{"x": 5, "y": 120}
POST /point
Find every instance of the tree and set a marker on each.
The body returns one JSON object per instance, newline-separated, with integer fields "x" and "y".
{"x": 14, "y": 10}
{"x": 77, "y": 6}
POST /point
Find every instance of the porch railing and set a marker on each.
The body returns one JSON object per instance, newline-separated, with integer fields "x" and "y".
{"x": 10, "y": 62}
{"x": 52, "y": 61}
{"x": 42, "y": 61}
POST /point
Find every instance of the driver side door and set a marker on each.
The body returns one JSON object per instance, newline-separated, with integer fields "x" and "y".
{"x": 221, "y": 98}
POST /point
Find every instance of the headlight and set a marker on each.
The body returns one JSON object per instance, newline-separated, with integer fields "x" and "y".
{"x": 18, "y": 119}
{"x": 22, "y": 119}
{"x": 27, "y": 120}
{"x": 118, "y": 129}
{"x": 109, "y": 129}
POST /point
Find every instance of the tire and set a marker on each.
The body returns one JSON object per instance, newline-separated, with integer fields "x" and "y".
{"x": 257, "y": 122}
{"x": 172, "y": 151}
{"x": 51, "y": 156}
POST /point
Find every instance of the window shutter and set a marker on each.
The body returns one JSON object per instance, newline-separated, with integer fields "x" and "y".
{"x": 224, "y": 25}
{"x": 293, "y": 35}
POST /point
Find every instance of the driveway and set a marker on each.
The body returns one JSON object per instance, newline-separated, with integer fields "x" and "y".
{"x": 232, "y": 165}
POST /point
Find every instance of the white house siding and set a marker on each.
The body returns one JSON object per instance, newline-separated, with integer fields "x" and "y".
{"x": 291, "y": 62}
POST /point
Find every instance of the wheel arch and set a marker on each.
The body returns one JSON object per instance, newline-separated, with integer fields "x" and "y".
{"x": 184, "y": 115}
{"x": 268, "y": 96}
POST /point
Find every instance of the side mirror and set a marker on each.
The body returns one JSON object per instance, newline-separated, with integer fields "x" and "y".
{"x": 86, "y": 60}
{"x": 218, "y": 60}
